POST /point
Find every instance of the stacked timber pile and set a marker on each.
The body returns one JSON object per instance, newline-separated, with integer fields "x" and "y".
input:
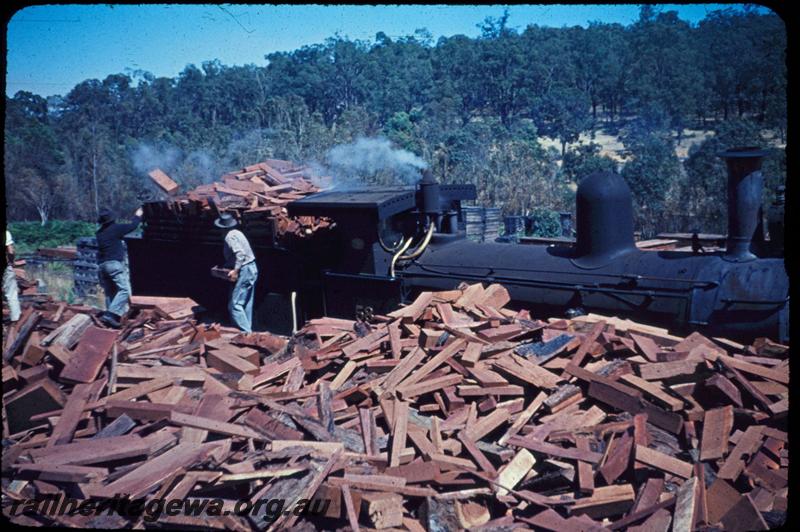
{"x": 257, "y": 195}
{"x": 452, "y": 412}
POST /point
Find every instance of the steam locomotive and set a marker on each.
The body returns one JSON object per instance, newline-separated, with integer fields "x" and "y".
{"x": 390, "y": 243}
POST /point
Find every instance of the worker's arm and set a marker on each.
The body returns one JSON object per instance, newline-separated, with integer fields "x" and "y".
{"x": 10, "y": 254}
{"x": 121, "y": 230}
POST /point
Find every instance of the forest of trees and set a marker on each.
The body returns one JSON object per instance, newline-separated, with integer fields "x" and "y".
{"x": 473, "y": 108}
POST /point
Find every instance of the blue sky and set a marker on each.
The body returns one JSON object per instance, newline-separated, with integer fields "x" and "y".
{"x": 52, "y": 48}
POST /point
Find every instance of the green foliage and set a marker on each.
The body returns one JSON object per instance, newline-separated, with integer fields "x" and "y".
{"x": 473, "y": 108}
{"x": 29, "y": 236}
{"x": 563, "y": 113}
{"x": 706, "y": 181}
{"x": 651, "y": 173}
{"x": 545, "y": 223}
{"x": 583, "y": 160}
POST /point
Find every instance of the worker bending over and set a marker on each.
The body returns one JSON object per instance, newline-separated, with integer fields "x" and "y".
{"x": 113, "y": 268}
{"x": 240, "y": 260}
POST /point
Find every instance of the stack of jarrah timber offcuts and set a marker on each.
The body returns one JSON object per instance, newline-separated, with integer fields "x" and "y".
{"x": 453, "y": 412}
{"x": 256, "y": 194}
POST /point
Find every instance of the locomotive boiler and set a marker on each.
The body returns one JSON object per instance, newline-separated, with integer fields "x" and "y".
{"x": 390, "y": 243}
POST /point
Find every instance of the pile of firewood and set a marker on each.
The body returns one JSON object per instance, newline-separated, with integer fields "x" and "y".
{"x": 255, "y": 194}
{"x": 452, "y": 412}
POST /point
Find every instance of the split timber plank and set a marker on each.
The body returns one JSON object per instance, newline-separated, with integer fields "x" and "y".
{"x": 641, "y": 514}
{"x": 323, "y": 447}
{"x": 472, "y": 354}
{"x": 412, "y": 312}
{"x": 85, "y": 452}
{"x": 72, "y": 414}
{"x": 685, "y": 506}
{"x": 646, "y": 347}
{"x": 440, "y": 358}
{"x": 476, "y": 454}
{"x": 527, "y": 371}
{"x": 24, "y": 329}
{"x": 720, "y": 497}
{"x": 724, "y": 387}
{"x": 394, "y": 339}
{"x": 90, "y": 355}
{"x": 586, "y": 343}
{"x": 411, "y": 491}
{"x": 428, "y": 386}
{"x": 67, "y": 334}
{"x": 514, "y": 471}
{"x": 748, "y": 367}
{"x": 163, "y": 181}
{"x": 401, "y": 371}
{"x": 605, "y": 501}
{"x": 417, "y": 436}
{"x": 36, "y": 398}
{"x": 754, "y": 392}
{"x": 188, "y": 374}
{"x": 473, "y": 294}
{"x": 487, "y": 424}
{"x": 65, "y": 472}
{"x": 523, "y": 417}
{"x": 495, "y": 296}
{"x": 648, "y": 494}
{"x": 212, "y": 425}
{"x": 717, "y": 426}
{"x": 478, "y": 391}
{"x": 309, "y": 491}
{"x": 609, "y": 392}
{"x": 143, "y": 411}
{"x": 555, "y": 450}
{"x": 659, "y": 521}
{"x": 352, "y": 517}
{"x": 230, "y": 363}
{"x": 399, "y": 431}
{"x": 654, "y": 390}
{"x": 666, "y": 370}
{"x": 585, "y": 470}
{"x": 137, "y": 390}
{"x": 154, "y": 471}
{"x": 744, "y": 516}
{"x": 663, "y": 462}
{"x": 619, "y": 458}
{"x": 746, "y": 446}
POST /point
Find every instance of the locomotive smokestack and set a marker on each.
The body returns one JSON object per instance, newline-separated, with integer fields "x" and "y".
{"x": 745, "y": 185}
{"x": 604, "y": 220}
{"x": 429, "y": 190}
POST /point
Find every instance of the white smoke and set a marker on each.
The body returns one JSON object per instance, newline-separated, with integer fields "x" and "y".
{"x": 188, "y": 169}
{"x": 146, "y": 157}
{"x": 370, "y": 161}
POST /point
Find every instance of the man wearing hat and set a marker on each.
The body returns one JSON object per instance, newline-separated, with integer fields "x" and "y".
{"x": 242, "y": 263}
{"x": 113, "y": 270}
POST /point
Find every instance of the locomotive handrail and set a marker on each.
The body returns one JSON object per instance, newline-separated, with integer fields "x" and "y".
{"x": 555, "y": 285}
{"x": 693, "y": 283}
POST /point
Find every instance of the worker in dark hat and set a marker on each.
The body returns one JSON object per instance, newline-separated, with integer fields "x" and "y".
{"x": 240, "y": 260}
{"x": 112, "y": 265}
